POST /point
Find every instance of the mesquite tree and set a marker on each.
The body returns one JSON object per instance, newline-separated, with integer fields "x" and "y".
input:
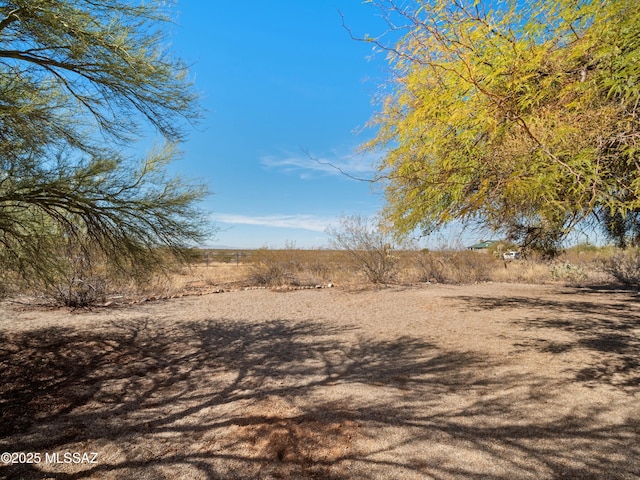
{"x": 524, "y": 116}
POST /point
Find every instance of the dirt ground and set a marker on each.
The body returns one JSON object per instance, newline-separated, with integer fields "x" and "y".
{"x": 490, "y": 381}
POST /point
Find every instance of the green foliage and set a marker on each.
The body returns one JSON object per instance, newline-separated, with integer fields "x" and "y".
{"x": 567, "y": 271}
{"x": 521, "y": 115}
{"x": 78, "y": 81}
{"x": 623, "y": 230}
{"x": 104, "y": 58}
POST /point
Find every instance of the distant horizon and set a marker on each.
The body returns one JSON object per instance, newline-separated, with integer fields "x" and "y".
{"x": 436, "y": 248}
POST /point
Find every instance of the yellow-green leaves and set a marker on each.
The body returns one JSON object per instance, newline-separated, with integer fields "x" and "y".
{"x": 512, "y": 112}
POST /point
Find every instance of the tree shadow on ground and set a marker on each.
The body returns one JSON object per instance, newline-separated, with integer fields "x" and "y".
{"x": 631, "y": 292}
{"x": 607, "y": 327}
{"x": 284, "y": 399}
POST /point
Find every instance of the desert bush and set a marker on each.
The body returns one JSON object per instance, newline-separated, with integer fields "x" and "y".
{"x": 84, "y": 277}
{"x": 290, "y": 266}
{"x": 567, "y": 271}
{"x": 320, "y": 266}
{"x": 624, "y": 266}
{"x": 429, "y": 266}
{"x": 463, "y": 267}
{"x": 310, "y": 267}
{"x": 80, "y": 292}
{"x": 272, "y": 268}
{"x": 369, "y": 246}
{"x": 472, "y": 267}
{"x": 80, "y": 280}
{"x": 452, "y": 266}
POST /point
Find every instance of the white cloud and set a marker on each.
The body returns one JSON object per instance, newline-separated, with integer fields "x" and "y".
{"x": 304, "y": 222}
{"x": 358, "y": 165}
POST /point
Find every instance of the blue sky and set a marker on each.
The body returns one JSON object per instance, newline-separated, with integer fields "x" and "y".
{"x": 282, "y": 83}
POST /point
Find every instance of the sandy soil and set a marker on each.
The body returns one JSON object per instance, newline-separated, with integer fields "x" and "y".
{"x": 489, "y": 381}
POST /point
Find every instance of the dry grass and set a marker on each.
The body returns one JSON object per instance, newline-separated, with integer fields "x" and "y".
{"x": 223, "y": 270}
{"x": 293, "y": 267}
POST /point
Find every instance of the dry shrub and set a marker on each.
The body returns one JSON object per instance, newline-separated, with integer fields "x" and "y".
{"x": 91, "y": 288}
{"x": 272, "y": 268}
{"x": 216, "y": 274}
{"x": 369, "y": 246}
{"x": 456, "y": 267}
{"x": 293, "y": 267}
{"x": 378, "y": 267}
{"x": 299, "y": 267}
{"x": 624, "y": 266}
{"x": 522, "y": 271}
{"x": 87, "y": 278}
{"x": 429, "y": 267}
{"x": 81, "y": 280}
{"x": 472, "y": 267}
{"x": 79, "y": 291}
